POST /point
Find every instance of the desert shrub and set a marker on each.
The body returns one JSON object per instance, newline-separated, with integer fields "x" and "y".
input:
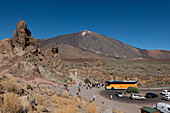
{"x": 132, "y": 90}
{"x": 11, "y": 86}
{"x": 87, "y": 81}
{"x": 59, "y": 95}
{"x": 40, "y": 99}
{"x": 75, "y": 98}
{"x": 29, "y": 87}
{"x": 79, "y": 96}
{"x": 66, "y": 101}
{"x": 67, "y": 109}
{"x": 92, "y": 108}
{"x": 65, "y": 94}
{"x": 55, "y": 99}
{"x": 10, "y": 104}
{"x": 42, "y": 102}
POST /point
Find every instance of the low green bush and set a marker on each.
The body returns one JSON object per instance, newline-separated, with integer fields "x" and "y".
{"x": 132, "y": 90}
{"x": 87, "y": 81}
{"x": 29, "y": 87}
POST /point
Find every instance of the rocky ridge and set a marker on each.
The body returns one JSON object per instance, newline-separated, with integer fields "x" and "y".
{"x": 21, "y": 57}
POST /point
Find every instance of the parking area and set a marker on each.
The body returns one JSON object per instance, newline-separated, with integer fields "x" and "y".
{"x": 126, "y": 99}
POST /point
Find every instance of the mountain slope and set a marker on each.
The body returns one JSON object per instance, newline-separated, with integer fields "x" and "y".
{"x": 87, "y": 44}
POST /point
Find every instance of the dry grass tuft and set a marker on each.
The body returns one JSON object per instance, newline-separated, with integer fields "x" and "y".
{"x": 10, "y": 104}
{"x": 55, "y": 99}
{"x": 65, "y": 94}
{"x": 40, "y": 99}
{"x": 67, "y": 109}
{"x": 75, "y": 98}
{"x": 11, "y": 86}
{"x": 92, "y": 108}
{"x": 65, "y": 101}
{"x": 42, "y": 102}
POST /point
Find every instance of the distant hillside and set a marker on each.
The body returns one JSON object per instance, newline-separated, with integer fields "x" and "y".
{"x": 88, "y": 44}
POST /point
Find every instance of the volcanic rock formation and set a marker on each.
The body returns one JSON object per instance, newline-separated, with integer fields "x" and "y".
{"x": 21, "y": 57}
{"x": 23, "y": 42}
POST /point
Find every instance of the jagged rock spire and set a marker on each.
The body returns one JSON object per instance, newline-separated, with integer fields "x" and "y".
{"x": 21, "y": 35}
{"x": 23, "y": 40}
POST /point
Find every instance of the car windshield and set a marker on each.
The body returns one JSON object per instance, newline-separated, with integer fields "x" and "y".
{"x": 165, "y": 90}
{"x": 136, "y": 94}
{"x": 119, "y": 92}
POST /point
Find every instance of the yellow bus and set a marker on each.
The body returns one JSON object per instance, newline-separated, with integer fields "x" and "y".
{"x": 119, "y": 84}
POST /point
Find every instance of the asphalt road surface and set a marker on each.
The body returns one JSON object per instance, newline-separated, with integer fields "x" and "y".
{"x": 126, "y": 99}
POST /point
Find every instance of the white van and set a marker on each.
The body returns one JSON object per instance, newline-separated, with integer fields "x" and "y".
{"x": 163, "y": 107}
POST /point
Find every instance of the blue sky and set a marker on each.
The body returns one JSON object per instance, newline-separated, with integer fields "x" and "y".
{"x": 141, "y": 23}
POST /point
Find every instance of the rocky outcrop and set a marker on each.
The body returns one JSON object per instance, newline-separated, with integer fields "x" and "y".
{"x": 5, "y": 47}
{"x": 22, "y": 57}
{"x": 51, "y": 51}
{"x": 22, "y": 41}
{"x": 52, "y": 55}
{"x": 22, "y": 35}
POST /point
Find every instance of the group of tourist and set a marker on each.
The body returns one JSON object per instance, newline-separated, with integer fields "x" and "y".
{"x": 87, "y": 85}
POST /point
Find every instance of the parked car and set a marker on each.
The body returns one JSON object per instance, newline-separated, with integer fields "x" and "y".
{"x": 137, "y": 96}
{"x": 166, "y": 97}
{"x": 164, "y": 92}
{"x": 151, "y": 95}
{"x": 119, "y": 94}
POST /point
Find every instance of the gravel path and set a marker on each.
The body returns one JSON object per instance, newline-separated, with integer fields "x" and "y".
{"x": 101, "y": 101}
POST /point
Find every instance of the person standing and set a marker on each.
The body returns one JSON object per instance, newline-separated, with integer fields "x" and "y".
{"x": 94, "y": 98}
{"x": 90, "y": 86}
{"x": 86, "y": 86}
{"x": 111, "y": 97}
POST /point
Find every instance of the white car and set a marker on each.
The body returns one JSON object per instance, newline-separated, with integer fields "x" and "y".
{"x": 167, "y": 96}
{"x": 164, "y": 92}
{"x": 137, "y": 96}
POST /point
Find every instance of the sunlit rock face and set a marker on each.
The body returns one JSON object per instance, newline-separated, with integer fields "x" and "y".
{"x": 21, "y": 56}
{"x": 23, "y": 40}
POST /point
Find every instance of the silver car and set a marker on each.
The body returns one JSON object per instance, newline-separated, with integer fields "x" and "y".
{"x": 119, "y": 94}
{"x": 137, "y": 97}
